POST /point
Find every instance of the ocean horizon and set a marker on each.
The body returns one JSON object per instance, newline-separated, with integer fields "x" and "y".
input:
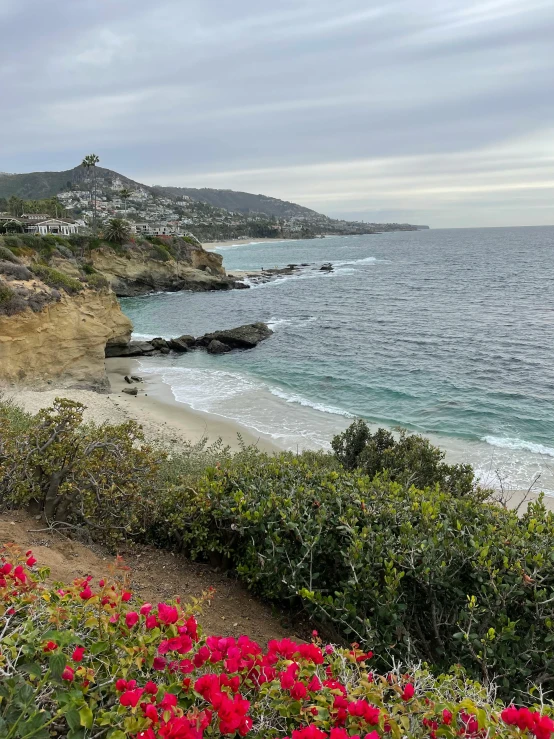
{"x": 448, "y": 333}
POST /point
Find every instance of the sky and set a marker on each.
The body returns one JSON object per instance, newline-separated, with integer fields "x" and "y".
{"x": 421, "y": 111}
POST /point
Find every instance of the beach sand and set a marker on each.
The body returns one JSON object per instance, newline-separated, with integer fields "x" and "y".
{"x": 162, "y": 418}
{"x": 211, "y": 245}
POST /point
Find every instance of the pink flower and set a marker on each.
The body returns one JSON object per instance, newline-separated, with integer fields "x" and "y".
{"x": 126, "y": 596}
{"x": 372, "y": 735}
{"x": 151, "y": 622}
{"x": 6, "y": 568}
{"x": 86, "y": 593}
{"x": 167, "y": 614}
{"x": 101, "y": 583}
{"x": 150, "y": 712}
{"x": 31, "y": 561}
{"x": 78, "y": 653}
{"x": 447, "y": 717}
{"x": 19, "y": 574}
{"x": 314, "y": 684}
{"x": 145, "y": 609}
{"x": 408, "y": 692}
{"x": 131, "y": 697}
{"x": 68, "y": 674}
{"x": 151, "y": 688}
{"x": 120, "y": 685}
{"x": 131, "y": 619}
{"x": 298, "y": 691}
{"x": 159, "y": 663}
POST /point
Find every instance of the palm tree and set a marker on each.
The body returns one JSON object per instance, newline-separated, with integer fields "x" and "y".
{"x": 117, "y": 231}
{"x": 90, "y": 162}
{"x": 125, "y": 194}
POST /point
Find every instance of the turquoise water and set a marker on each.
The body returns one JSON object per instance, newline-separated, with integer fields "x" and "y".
{"x": 449, "y": 333}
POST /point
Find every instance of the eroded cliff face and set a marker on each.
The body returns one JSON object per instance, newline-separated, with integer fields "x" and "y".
{"x": 65, "y": 341}
{"x": 135, "y": 273}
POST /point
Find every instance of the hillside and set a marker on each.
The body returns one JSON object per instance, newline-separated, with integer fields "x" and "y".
{"x": 241, "y": 202}
{"x": 210, "y": 214}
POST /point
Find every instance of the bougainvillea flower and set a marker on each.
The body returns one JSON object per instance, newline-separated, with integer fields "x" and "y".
{"x": 167, "y": 614}
{"x": 86, "y": 593}
{"x": 68, "y": 674}
{"x": 131, "y": 697}
{"x": 151, "y": 688}
{"x": 159, "y": 663}
{"x": 78, "y": 653}
{"x": 145, "y": 609}
{"x": 31, "y": 561}
{"x": 50, "y": 646}
{"x": 447, "y": 717}
{"x": 408, "y": 692}
{"x": 131, "y": 619}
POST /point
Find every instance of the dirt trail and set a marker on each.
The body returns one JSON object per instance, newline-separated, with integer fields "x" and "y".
{"x": 156, "y": 575}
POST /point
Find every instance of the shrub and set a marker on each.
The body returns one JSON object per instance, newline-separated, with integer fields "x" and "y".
{"x": 117, "y": 231}
{"x": 97, "y": 281}
{"x": 422, "y": 574}
{"x": 12, "y": 240}
{"x": 94, "y": 478}
{"x": 55, "y": 278}
{"x": 84, "y": 660}
{"x": 8, "y": 256}
{"x": 10, "y": 302}
{"x": 18, "y": 271}
{"x": 410, "y": 460}
{"x": 160, "y": 252}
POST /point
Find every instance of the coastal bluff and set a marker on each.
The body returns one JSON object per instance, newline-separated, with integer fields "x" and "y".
{"x": 58, "y": 300}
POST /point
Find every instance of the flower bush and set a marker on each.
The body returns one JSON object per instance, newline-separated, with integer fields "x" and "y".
{"x": 86, "y": 660}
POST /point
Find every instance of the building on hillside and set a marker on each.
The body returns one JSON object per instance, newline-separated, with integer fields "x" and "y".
{"x": 156, "y": 229}
{"x": 44, "y": 226}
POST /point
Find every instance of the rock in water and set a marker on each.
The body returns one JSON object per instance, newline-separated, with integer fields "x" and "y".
{"x": 130, "y": 390}
{"x": 243, "y": 337}
{"x": 136, "y": 378}
{"x": 128, "y": 380}
{"x": 159, "y": 343}
{"x": 217, "y": 347}
{"x": 181, "y": 343}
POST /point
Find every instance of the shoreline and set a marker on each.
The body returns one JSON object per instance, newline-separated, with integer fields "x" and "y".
{"x": 211, "y": 245}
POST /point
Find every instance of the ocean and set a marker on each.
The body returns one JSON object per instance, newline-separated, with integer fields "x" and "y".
{"x": 448, "y": 333}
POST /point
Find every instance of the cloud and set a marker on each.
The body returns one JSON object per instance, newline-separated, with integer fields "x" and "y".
{"x": 361, "y": 107}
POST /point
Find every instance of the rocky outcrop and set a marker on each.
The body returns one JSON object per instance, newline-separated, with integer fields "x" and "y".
{"x": 219, "y": 342}
{"x": 135, "y": 272}
{"x": 64, "y": 341}
{"x": 243, "y": 337}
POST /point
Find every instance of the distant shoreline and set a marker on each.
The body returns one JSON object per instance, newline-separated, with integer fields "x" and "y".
{"x": 241, "y": 242}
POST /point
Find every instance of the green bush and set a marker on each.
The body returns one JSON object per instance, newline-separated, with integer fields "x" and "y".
{"x": 12, "y": 240}
{"x": 410, "y": 460}
{"x": 160, "y": 252}
{"x": 415, "y": 574}
{"x": 93, "y": 478}
{"x": 8, "y": 256}
{"x": 57, "y": 279}
{"x": 97, "y": 281}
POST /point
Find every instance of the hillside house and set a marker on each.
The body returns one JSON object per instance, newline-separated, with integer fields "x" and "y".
{"x": 43, "y": 227}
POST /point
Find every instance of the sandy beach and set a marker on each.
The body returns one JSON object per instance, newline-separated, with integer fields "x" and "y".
{"x": 162, "y": 418}
{"x": 211, "y": 245}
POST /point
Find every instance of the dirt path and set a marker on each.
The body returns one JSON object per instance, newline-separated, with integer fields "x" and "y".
{"x": 156, "y": 575}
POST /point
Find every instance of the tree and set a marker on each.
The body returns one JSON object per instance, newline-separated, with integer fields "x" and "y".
{"x": 117, "y": 231}
{"x": 16, "y": 205}
{"x": 125, "y": 194}
{"x": 89, "y": 163}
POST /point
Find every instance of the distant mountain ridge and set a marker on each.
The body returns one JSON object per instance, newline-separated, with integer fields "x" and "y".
{"x": 39, "y": 185}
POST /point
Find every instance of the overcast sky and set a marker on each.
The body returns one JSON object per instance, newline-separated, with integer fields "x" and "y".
{"x": 428, "y": 111}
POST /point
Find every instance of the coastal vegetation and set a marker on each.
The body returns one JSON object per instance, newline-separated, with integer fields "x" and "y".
{"x": 89, "y": 659}
{"x": 431, "y": 574}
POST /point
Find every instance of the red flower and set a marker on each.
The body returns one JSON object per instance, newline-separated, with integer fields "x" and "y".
{"x": 19, "y": 574}
{"x": 298, "y": 691}
{"x": 145, "y": 609}
{"x": 314, "y": 684}
{"x": 6, "y": 568}
{"x": 169, "y": 701}
{"x": 167, "y": 614}
{"x": 126, "y": 596}
{"x": 151, "y": 622}
{"x": 159, "y": 663}
{"x": 131, "y": 697}
{"x": 78, "y": 653}
{"x": 151, "y": 688}
{"x": 150, "y": 712}
{"x": 101, "y": 583}
{"x": 131, "y": 619}
{"x": 447, "y": 717}
{"x": 86, "y": 593}
{"x": 31, "y": 561}
{"x": 372, "y": 735}
{"x": 408, "y": 692}
{"x": 68, "y": 674}
{"x": 120, "y": 685}
{"x": 49, "y": 647}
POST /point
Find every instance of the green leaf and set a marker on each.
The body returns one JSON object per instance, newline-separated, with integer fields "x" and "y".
{"x": 73, "y": 719}
{"x": 99, "y": 647}
{"x": 117, "y": 734}
{"x": 57, "y": 664}
{"x": 86, "y": 717}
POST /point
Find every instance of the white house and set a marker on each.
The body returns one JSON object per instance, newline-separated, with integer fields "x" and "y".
{"x": 61, "y": 226}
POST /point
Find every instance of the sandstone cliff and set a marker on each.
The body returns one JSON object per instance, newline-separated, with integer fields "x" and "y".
{"x": 64, "y": 341}
{"x": 138, "y": 272}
